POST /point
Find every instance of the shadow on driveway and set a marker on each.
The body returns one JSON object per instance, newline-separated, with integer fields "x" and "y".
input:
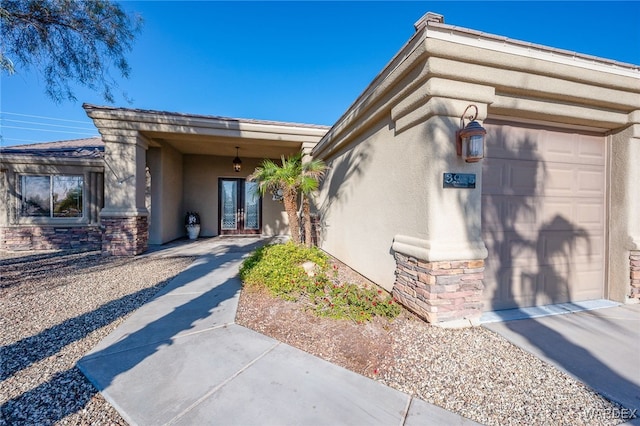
{"x": 601, "y": 348}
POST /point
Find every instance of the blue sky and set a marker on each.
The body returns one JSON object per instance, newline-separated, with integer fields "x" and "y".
{"x": 294, "y": 61}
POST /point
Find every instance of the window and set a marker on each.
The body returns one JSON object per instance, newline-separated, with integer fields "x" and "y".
{"x": 52, "y": 196}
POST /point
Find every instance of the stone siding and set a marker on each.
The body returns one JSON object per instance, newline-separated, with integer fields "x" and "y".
{"x": 634, "y": 260}
{"x": 30, "y": 237}
{"x": 125, "y": 236}
{"x": 440, "y": 292}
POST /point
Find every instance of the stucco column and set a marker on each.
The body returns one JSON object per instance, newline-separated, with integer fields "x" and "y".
{"x": 124, "y": 216}
{"x": 624, "y": 214}
{"x": 307, "y": 147}
{"x": 439, "y": 274}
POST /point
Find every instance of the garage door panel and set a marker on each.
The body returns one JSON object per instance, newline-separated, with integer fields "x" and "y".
{"x": 494, "y": 182}
{"x": 555, "y": 212}
{"x": 559, "y": 148}
{"x": 590, "y": 285}
{"x": 559, "y": 180}
{"x": 590, "y": 182}
{"x": 593, "y": 252}
{"x": 590, "y": 214}
{"x": 513, "y": 284}
{"x": 522, "y": 213}
{"x": 493, "y": 211}
{"x": 572, "y": 180}
{"x": 591, "y": 150}
{"x": 571, "y": 214}
{"x": 526, "y": 283}
{"x": 543, "y": 217}
{"x": 523, "y": 180}
{"x": 504, "y": 213}
{"x": 554, "y": 287}
{"x": 529, "y": 286}
{"x": 569, "y": 248}
{"x": 510, "y": 143}
{"x": 513, "y": 248}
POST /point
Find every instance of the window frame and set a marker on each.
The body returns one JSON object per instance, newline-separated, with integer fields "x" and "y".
{"x": 51, "y": 218}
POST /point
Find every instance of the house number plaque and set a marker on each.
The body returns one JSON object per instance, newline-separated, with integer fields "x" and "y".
{"x": 459, "y": 180}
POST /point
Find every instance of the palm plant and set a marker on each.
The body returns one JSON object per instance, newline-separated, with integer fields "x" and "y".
{"x": 312, "y": 172}
{"x": 293, "y": 177}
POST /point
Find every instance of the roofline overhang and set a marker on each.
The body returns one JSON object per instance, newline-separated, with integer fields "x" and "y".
{"x": 20, "y": 159}
{"x": 469, "y": 37}
{"x": 106, "y": 118}
{"x": 373, "y": 103}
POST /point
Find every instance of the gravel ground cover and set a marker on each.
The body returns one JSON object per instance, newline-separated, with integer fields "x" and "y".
{"x": 473, "y": 371}
{"x": 54, "y": 308}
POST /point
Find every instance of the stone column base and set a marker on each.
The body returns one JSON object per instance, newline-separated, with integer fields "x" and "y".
{"x": 634, "y": 260}
{"x": 125, "y": 236}
{"x": 447, "y": 294}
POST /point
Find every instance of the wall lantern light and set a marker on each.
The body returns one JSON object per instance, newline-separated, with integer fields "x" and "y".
{"x": 237, "y": 163}
{"x": 470, "y": 139}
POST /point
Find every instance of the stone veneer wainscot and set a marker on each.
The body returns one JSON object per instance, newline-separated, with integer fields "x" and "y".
{"x": 125, "y": 236}
{"x": 634, "y": 260}
{"x": 37, "y": 237}
{"x": 442, "y": 293}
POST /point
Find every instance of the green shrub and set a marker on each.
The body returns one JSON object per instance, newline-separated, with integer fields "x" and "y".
{"x": 279, "y": 269}
{"x": 353, "y": 302}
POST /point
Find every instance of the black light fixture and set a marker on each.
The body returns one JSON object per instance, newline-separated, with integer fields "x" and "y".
{"x": 237, "y": 163}
{"x": 470, "y": 138}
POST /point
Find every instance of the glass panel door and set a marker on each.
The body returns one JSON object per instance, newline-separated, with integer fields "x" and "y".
{"x": 229, "y": 209}
{"x": 251, "y": 206}
{"x": 239, "y": 207}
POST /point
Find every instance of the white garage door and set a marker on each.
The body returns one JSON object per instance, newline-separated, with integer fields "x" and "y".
{"x": 543, "y": 216}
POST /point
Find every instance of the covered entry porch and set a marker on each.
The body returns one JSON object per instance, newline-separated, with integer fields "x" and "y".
{"x": 161, "y": 165}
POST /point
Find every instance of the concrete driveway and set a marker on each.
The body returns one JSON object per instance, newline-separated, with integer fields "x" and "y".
{"x": 600, "y": 347}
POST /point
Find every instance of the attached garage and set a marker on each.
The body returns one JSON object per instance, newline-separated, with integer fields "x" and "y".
{"x": 543, "y": 216}
{"x": 550, "y": 215}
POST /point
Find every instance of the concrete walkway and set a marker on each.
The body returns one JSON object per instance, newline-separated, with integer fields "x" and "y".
{"x": 181, "y": 359}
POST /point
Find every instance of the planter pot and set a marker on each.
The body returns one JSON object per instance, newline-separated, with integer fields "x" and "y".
{"x": 193, "y": 231}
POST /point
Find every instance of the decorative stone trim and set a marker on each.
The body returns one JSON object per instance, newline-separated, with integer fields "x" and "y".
{"x": 634, "y": 276}
{"x": 44, "y": 237}
{"x": 125, "y": 236}
{"x": 442, "y": 293}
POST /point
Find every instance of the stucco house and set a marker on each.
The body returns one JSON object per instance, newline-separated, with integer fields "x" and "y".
{"x": 550, "y": 214}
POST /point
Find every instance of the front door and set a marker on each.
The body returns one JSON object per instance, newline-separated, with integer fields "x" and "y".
{"x": 239, "y": 207}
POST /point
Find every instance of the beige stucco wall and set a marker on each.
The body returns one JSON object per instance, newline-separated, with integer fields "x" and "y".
{"x": 125, "y": 157}
{"x": 166, "y": 215}
{"x": 624, "y": 211}
{"x": 274, "y": 218}
{"x": 200, "y": 193}
{"x": 374, "y": 189}
{"x": 384, "y": 192}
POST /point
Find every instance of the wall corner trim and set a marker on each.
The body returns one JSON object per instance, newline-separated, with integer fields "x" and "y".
{"x": 436, "y": 251}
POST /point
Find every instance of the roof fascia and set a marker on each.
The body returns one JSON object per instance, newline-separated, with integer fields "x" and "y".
{"x": 416, "y": 49}
{"x": 502, "y": 44}
{"x": 52, "y": 161}
{"x": 145, "y": 120}
{"x": 402, "y": 62}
